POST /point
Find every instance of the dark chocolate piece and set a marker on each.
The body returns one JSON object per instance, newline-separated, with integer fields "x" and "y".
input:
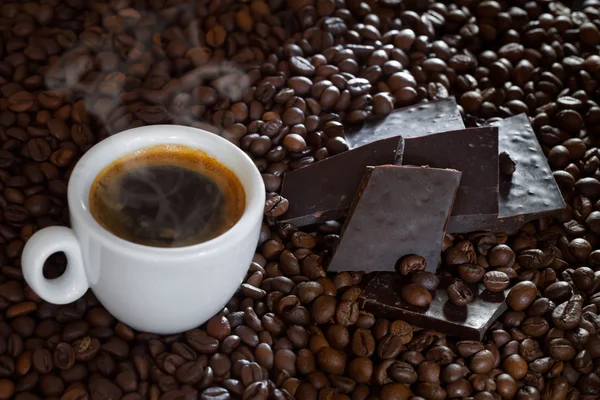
{"x": 382, "y": 298}
{"x": 397, "y": 211}
{"x": 414, "y": 121}
{"x": 531, "y": 191}
{"x": 474, "y": 152}
{"x": 325, "y": 190}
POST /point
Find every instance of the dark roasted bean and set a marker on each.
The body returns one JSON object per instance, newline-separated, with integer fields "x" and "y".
{"x": 459, "y": 294}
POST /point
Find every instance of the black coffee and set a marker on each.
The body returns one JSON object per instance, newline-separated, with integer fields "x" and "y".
{"x": 167, "y": 196}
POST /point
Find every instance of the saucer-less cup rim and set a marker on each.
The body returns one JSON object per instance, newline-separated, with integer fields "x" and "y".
{"x": 77, "y": 278}
{"x": 145, "y": 137}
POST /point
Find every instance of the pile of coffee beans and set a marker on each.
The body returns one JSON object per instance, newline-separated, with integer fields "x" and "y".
{"x": 281, "y": 79}
{"x": 419, "y": 285}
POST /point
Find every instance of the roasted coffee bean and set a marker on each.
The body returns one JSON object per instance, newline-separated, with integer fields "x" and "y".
{"x": 389, "y": 346}
{"x": 528, "y": 392}
{"x": 567, "y": 315}
{"x": 515, "y": 366}
{"x": 382, "y": 104}
{"x": 431, "y": 390}
{"x": 201, "y": 342}
{"x": 363, "y": 343}
{"x": 471, "y": 273}
{"x": 535, "y": 258}
{"x": 360, "y": 369}
{"x": 39, "y": 149}
{"x": 535, "y": 326}
{"x": 116, "y": 347}
{"x": 308, "y": 291}
{"x": 415, "y": 295}
{"x": 215, "y": 393}
{"x": 402, "y": 372}
{"x": 583, "y": 362}
{"x": 7, "y": 366}
{"x": 441, "y": 354}
{"x": 104, "y": 387}
{"x": 558, "y": 291}
{"x": 191, "y": 372}
{"x": 454, "y": 372}
{"x": 42, "y": 360}
{"x": 429, "y": 371}
{"x": 425, "y": 279}
{"x": 15, "y": 214}
{"x": 402, "y": 329}
{"x": 482, "y": 362}
{"x": 323, "y": 308}
{"x": 410, "y": 264}
{"x": 331, "y": 361}
{"x": 347, "y": 313}
{"x": 64, "y": 356}
{"x": 459, "y": 294}
{"x": 561, "y": 349}
{"x": 256, "y": 391}
{"x": 86, "y": 348}
{"x": 38, "y": 205}
{"x": 285, "y": 360}
{"x": 220, "y": 364}
{"x": 530, "y": 350}
{"x": 521, "y": 295}
{"x": 496, "y": 281}
{"x": 583, "y": 277}
{"x": 500, "y": 256}
{"x": 467, "y": 348}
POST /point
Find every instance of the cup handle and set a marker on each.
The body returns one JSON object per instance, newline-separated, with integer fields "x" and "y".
{"x": 73, "y": 283}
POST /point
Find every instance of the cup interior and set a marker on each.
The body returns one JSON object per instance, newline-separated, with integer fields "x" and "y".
{"x": 127, "y": 142}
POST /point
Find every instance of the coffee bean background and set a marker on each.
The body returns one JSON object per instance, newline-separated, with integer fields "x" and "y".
{"x": 281, "y": 79}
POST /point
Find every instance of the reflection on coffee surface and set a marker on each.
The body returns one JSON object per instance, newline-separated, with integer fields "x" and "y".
{"x": 167, "y": 196}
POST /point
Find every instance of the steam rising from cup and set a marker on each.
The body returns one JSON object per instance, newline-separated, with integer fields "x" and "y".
{"x": 128, "y": 78}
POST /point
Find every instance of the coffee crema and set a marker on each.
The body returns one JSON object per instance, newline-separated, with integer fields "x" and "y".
{"x": 167, "y": 196}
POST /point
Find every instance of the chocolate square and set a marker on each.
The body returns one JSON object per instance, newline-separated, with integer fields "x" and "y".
{"x": 324, "y": 190}
{"x": 397, "y": 211}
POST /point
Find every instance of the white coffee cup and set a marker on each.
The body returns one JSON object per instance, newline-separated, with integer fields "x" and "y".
{"x": 152, "y": 289}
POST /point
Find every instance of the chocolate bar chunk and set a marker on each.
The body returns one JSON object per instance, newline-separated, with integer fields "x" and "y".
{"x": 414, "y": 121}
{"x": 531, "y": 191}
{"x": 325, "y": 190}
{"x": 474, "y": 152}
{"x": 397, "y": 211}
{"x": 382, "y": 298}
